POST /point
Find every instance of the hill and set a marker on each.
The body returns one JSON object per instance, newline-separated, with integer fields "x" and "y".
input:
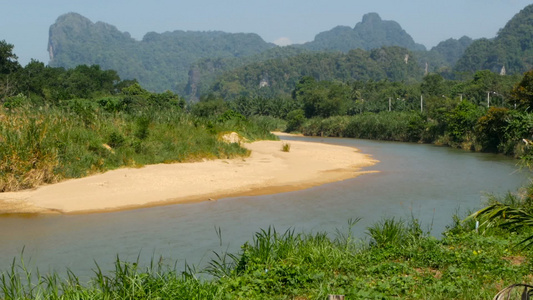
{"x": 511, "y": 50}
{"x": 159, "y": 61}
{"x": 441, "y": 58}
{"x": 191, "y": 63}
{"x": 372, "y": 32}
{"x": 188, "y": 62}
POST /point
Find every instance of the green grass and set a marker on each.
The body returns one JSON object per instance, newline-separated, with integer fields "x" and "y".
{"x": 397, "y": 261}
{"x": 48, "y": 145}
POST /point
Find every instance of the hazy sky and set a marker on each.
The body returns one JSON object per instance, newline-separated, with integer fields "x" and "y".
{"x": 25, "y": 23}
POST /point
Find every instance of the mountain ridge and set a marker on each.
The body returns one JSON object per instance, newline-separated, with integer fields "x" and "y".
{"x": 372, "y": 32}
{"x": 159, "y": 61}
{"x": 188, "y": 62}
{"x": 510, "y": 52}
{"x": 164, "y": 61}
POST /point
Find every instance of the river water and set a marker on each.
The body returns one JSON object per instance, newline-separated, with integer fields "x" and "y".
{"x": 424, "y": 181}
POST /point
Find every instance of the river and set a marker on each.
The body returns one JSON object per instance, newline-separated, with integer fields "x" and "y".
{"x": 427, "y": 182}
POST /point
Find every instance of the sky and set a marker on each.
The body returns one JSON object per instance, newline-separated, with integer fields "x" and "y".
{"x": 25, "y": 23}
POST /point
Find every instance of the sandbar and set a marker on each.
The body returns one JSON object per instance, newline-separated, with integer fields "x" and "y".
{"x": 267, "y": 170}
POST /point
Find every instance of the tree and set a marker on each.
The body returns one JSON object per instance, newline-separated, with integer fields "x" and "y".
{"x": 8, "y": 60}
{"x": 491, "y": 128}
{"x": 209, "y": 107}
{"x": 461, "y": 120}
{"x": 295, "y": 120}
{"x": 322, "y": 98}
{"x": 8, "y": 65}
{"x": 433, "y": 85}
{"x": 522, "y": 93}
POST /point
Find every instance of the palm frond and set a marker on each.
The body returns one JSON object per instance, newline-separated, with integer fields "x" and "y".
{"x": 506, "y": 217}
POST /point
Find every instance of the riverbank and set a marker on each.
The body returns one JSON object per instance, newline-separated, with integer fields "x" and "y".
{"x": 267, "y": 170}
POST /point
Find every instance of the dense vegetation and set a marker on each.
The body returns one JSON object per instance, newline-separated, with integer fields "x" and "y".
{"x": 441, "y": 58}
{"x": 57, "y": 123}
{"x": 487, "y": 112}
{"x": 278, "y": 77}
{"x": 204, "y": 73}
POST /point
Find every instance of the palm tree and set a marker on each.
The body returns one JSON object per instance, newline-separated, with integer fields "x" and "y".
{"x": 513, "y": 212}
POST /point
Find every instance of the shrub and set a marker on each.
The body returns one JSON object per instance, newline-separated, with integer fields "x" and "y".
{"x": 295, "y": 120}
{"x": 490, "y": 128}
{"x": 461, "y": 120}
{"x": 116, "y": 139}
{"x": 16, "y": 101}
{"x": 143, "y": 123}
{"x": 388, "y": 232}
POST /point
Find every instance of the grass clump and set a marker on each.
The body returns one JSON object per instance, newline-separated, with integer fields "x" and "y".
{"x": 286, "y": 147}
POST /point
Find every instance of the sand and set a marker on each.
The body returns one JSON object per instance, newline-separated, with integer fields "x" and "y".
{"x": 267, "y": 170}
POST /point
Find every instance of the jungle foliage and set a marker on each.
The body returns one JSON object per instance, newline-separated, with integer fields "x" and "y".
{"x": 468, "y": 114}
{"x": 278, "y": 77}
{"x": 57, "y": 123}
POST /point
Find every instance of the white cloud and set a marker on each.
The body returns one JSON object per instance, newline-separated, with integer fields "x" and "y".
{"x": 283, "y": 41}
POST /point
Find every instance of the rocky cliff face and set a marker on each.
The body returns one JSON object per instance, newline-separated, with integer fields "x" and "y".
{"x": 73, "y": 34}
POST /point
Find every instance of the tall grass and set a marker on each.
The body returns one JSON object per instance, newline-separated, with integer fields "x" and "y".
{"x": 27, "y": 156}
{"x": 288, "y": 265}
{"x": 47, "y": 145}
{"x": 127, "y": 281}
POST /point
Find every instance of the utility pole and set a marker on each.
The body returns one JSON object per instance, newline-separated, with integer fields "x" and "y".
{"x": 421, "y": 103}
{"x": 389, "y": 103}
{"x": 488, "y": 99}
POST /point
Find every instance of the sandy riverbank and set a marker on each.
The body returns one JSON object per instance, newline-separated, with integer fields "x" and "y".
{"x": 268, "y": 170}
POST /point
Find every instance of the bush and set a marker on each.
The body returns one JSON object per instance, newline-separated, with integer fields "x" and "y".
{"x": 295, "y": 120}
{"x": 461, "y": 121}
{"x": 490, "y": 128}
{"x": 269, "y": 123}
{"x": 16, "y": 101}
{"x": 211, "y": 108}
